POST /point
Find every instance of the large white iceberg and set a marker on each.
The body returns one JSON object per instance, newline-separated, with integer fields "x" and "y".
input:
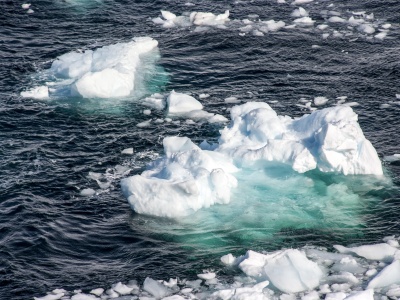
{"x": 107, "y": 72}
{"x": 189, "y": 178}
{"x": 329, "y": 139}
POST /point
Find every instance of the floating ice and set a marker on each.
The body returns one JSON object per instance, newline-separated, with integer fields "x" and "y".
{"x": 392, "y": 158}
{"x": 299, "y": 12}
{"x": 330, "y": 140}
{"x": 306, "y": 21}
{"x": 307, "y": 274}
{"x": 107, "y": 72}
{"x": 299, "y": 2}
{"x": 318, "y": 101}
{"x": 88, "y": 192}
{"x": 189, "y": 178}
{"x": 40, "y": 92}
{"x": 178, "y": 103}
{"x": 128, "y": 151}
{"x": 169, "y": 19}
{"x": 26, "y": 5}
{"x": 381, "y": 252}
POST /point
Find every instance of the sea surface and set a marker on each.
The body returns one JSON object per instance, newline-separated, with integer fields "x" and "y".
{"x": 53, "y": 237}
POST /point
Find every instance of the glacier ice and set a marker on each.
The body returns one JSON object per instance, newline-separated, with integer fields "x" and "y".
{"x": 108, "y": 72}
{"x": 189, "y": 178}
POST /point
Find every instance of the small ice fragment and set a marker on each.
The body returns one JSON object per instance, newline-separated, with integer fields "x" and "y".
{"x": 228, "y": 259}
{"x": 371, "y": 272}
{"x": 88, "y": 192}
{"x": 112, "y": 294}
{"x": 25, "y": 5}
{"x": 336, "y": 19}
{"x": 97, "y": 292}
{"x": 206, "y": 276}
{"x": 40, "y": 92}
{"x": 386, "y": 26}
{"x": 181, "y": 103}
{"x": 306, "y": 21}
{"x": 144, "y": 124}
{"x": 351, "y": 104}
{"x": 381, "y": 35}
{"x": 30, "y": 11}
{"x": 232, "y": 100}
{"x": 325, "y": 36}
{"x": 322, "y": 26}
{"x": 398, "y": 96}
{"x": 315, "y": 47}
{"x": 174, "y": 297}
{"x": 296, "y": 2}
{"x": 155, "y": 288}
{"x": 311, "y": 296}
{"x": 147, "y": 112}
{"x": 394, "y": 293}
{"x": 393, "y": 243}
{"x": 392, "y": 158}
{"x": 318, "y": 101}
{"x": 121, "y": 288}
{"x": 217, "y": 119}
{"x": 81, "y": 296}
{"x": 366, "y": 28}
{"x": 186, "y": 290}
{"x": 299, "y": 12}
{"x": 363, "y": 295}
{"x": 128, "y": 151}
{"x": 281, "y": 1}
{"x": 381, "y": 252}
{"x": 50, "y": 297}
{"x": 203, "y": 96}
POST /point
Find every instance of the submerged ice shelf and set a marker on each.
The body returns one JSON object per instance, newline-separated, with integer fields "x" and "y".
{"x": 112, "y": 71}
{"x": 309, "y": 273}
{"x": 190, "y": 177}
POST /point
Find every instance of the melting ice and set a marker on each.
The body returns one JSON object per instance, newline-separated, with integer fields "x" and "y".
{"x": 112, "y": 71}
{"x": 191, "y": 177}
{"x": 308, "y": 273}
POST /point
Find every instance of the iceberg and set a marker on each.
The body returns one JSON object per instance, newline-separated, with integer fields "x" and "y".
{"x": 190, "y": 177}
{"x": 108, "y": 72}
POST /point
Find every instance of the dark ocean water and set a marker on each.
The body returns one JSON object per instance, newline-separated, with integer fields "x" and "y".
{"x": 52, "y": 237}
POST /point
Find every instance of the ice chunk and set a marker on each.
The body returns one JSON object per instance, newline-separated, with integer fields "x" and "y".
{"x": 121, "y": 288}
{"x": 30, "y": 11}
{"x": 88, "y": 192}
{"x": 209, "y": 19}
{"x": 366, "y": 28}
{"x": 336, "y": 296}
{"x": 107, "y": 72}
{"x": 206, "y": 276}
{"x": 288, "y": 270}
{"x": 232, "y": 100}
{"x": 228, "y": 259}
{"x": 179, "y": 103}
{"x": 128, "y": 151}
{"x": 382, "y": 252}
{"x": 381, "y": 35}
{"x": 81, "y": 296}
{"x": 306, "y": 21}
{"x": 318, "y": 101}
{"x": 364, "y": 295}
{"x": 26, "y": 5}
{"x": 388, "y": 276}
{"x": 299, "y": 2}
{"x": 299, "y": 12}
{"x": 50, "y": 297}
{"x": 191, "y": 177}
{"x": 155, "y": 288}
{"x": 97, "y": 292}
{"x": 40, "y": 92}
{"x": 336, "y": 19}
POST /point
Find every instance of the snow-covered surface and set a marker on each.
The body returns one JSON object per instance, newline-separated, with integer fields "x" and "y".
{"x": 190, "y": 177}
{"x": 106, "y": 72}
{"x": 309, "y": 273}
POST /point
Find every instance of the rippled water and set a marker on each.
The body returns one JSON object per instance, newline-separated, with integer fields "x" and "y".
{"x": 52, "y": 237}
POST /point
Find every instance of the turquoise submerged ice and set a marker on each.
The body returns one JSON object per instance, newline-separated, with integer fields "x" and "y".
{"x": 108, "y": 72}
{"x": 190, "y": 177}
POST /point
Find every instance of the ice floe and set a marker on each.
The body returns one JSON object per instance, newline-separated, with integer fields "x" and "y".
{"x": 307, "y": 273}
{"x": 329, "y": 140}
{"x": 107, "y": 72}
